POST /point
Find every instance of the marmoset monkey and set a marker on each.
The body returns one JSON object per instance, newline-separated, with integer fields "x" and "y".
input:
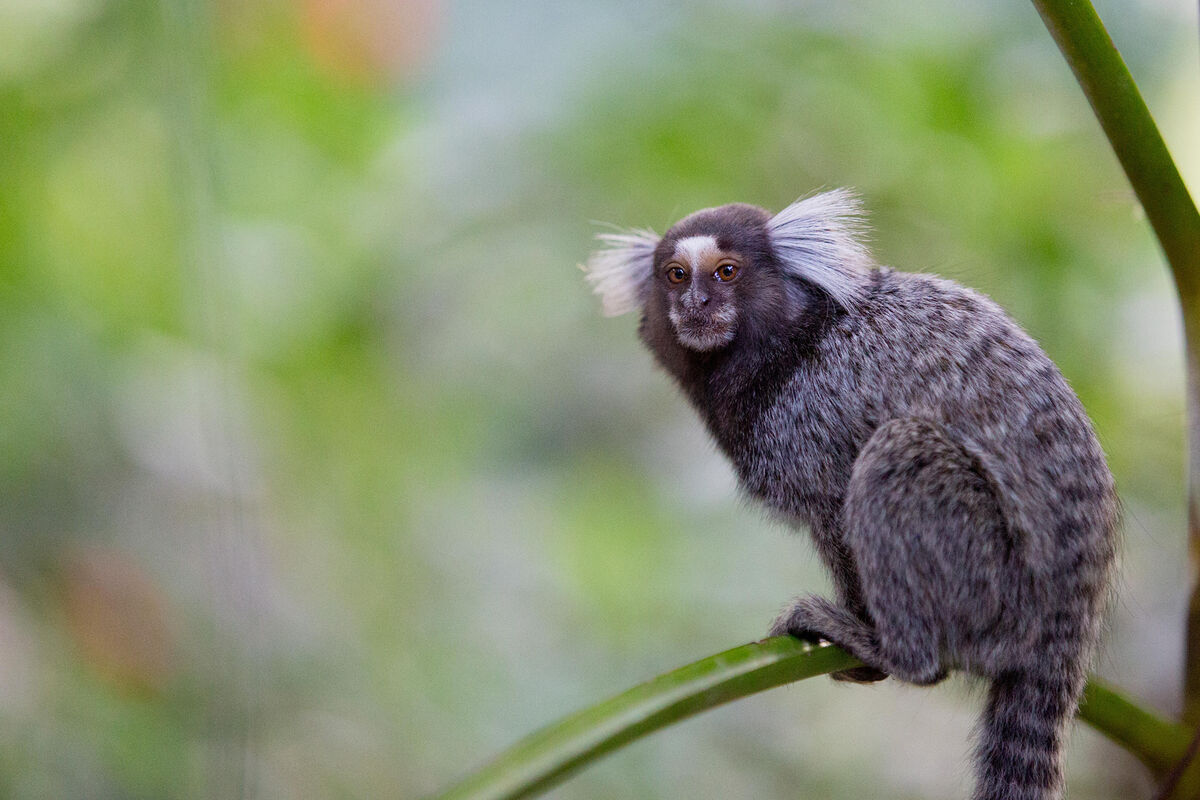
{"x": 950, "y": 478}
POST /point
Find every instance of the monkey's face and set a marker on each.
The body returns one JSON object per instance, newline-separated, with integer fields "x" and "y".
{"x": 733, "y": 275}
{"x": 709, "y": 272}
{"x": 699, "y": 280}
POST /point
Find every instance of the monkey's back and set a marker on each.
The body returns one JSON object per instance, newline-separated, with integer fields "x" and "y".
{"x": 923, "y": 347}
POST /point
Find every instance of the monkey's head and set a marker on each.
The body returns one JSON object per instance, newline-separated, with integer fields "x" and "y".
{"x": 727, "y": 273}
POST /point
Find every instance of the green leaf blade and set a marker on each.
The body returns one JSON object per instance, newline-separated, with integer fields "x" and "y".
{"x": 550, "y": 755}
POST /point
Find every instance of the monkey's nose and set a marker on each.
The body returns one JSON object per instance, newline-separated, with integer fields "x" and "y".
{"x": 694, "y": 301}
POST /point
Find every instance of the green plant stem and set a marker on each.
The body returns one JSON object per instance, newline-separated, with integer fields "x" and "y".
{"x": 550, "y": 755}
{"x": 1158, "y": 743}
{"x": 1134, "y": 137}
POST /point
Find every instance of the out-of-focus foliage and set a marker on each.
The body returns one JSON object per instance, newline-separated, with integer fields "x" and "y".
{"x": 320, "y": 475}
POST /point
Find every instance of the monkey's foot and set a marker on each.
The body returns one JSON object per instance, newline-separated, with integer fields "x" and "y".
{"x": 860, "y": 675}
{"x": 814, "y": 619}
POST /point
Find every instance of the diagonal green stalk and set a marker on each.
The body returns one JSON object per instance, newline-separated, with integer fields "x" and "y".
{"x": 550, "y": 755}
{"x": 1158, "y": 743}
{"x": 1135, "y": 139}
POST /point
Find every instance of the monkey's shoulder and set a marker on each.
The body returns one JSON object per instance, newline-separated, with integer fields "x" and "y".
{"x": 923, "y": 346}
{"x": 916, "y": 307}
{"x": 926, "y": 339}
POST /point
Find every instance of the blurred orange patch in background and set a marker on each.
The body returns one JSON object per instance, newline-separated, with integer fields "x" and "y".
{"x": 118, "y": 617}
{"x": 370, "y": 42}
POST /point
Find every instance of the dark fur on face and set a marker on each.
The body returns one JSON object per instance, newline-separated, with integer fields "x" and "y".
{"x": 695, "y": 311}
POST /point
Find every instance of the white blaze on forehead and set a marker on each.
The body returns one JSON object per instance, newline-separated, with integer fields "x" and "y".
{"x": 692, "y": 249}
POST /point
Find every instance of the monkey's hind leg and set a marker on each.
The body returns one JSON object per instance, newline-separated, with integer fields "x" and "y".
{"x": 930, "y": 545}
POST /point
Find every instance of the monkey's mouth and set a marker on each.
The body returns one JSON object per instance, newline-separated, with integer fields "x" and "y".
{"x": 704, "y": 332}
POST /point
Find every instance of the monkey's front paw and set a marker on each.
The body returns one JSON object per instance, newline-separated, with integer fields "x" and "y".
{"x": 802, "y": 620}
{"x": 815, "y": 618}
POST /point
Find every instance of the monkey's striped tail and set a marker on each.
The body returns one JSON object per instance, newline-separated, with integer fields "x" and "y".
{"x": 1019, "y": 755}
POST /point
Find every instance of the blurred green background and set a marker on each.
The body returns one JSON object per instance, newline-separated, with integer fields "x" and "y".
{"x": 321, "y": 475}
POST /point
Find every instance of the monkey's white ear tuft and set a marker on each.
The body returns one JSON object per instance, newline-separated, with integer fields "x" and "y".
{"x": 819, "y": 238}
{"x": 620, "y": 270}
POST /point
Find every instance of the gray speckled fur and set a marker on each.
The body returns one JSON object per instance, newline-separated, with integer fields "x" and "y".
{"x": 957, "y": 493}
{"x": 950, "y": 479}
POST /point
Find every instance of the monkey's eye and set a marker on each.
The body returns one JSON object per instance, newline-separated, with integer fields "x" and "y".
{"x": 726, "y": 272}
{"x": 676, "y": 274}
